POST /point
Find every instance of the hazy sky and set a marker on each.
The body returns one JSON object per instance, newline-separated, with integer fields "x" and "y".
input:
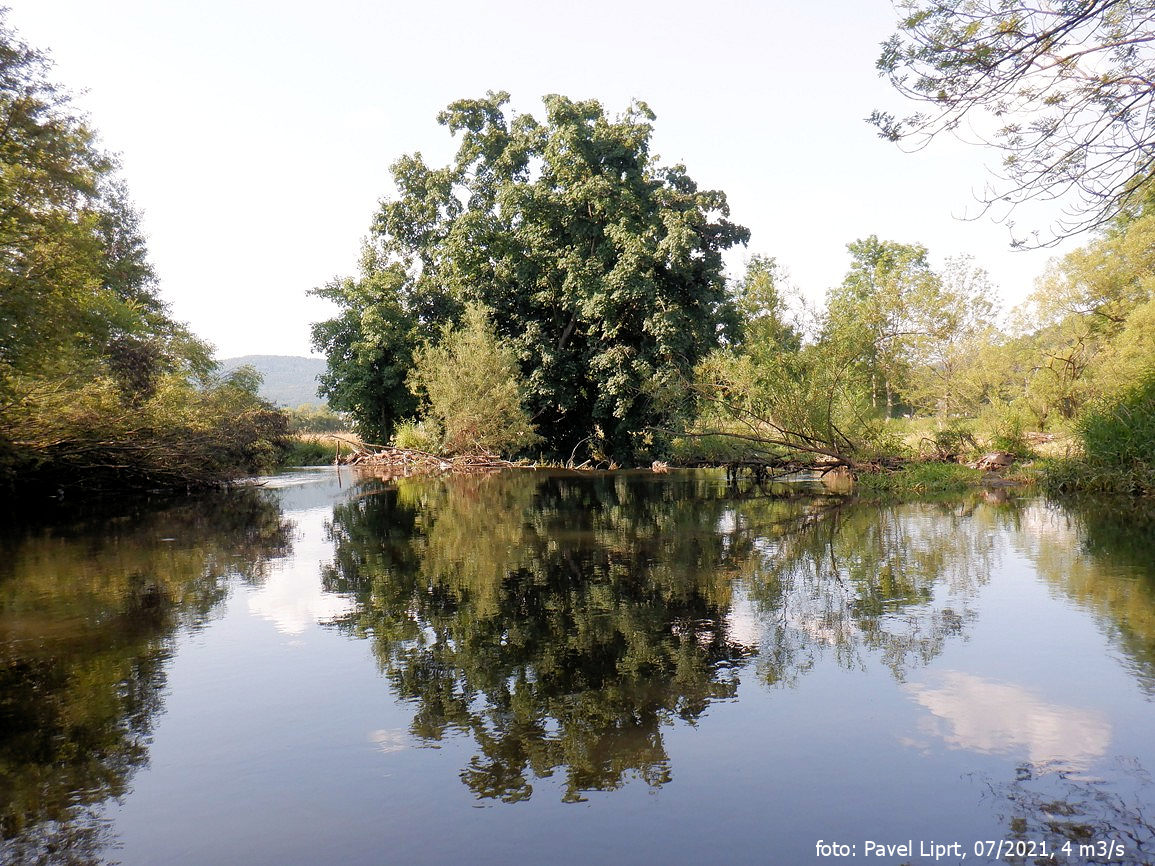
{"x": 257, "y": 136}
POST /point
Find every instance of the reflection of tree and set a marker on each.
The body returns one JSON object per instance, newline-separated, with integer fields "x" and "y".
{"x": 560, "y": 621}
{"x": 87, "y": 616}
{"x": 1081, "y": 820}
{"x": 888, "y": 580}
{"x": 1102, "y": 554}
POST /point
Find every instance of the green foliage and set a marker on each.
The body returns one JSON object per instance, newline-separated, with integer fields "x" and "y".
{"x": 917, "y": 335}
{"x": 783, "y": 402}
{"x": 474, "y": 389}
{"x": 1066, "y": 90}
{"x": 1088, "y": 330}
{"x": 603, "y": 270}
{"x": 1008, "y": 433}
{"x": 1118, "y": 440}
{"x": 311, "y": 418}
{"x": 369, "y": 347}
{"x": 67, "y": 434}
{"x": 891, "y": 314}
{"x": 1120, "y": 433}
{"x": 888, "y": 302}
{"x": 952, "y": 442}
{"x": 310, "y": 451}
{"x": 766, "y": 321}
{"x": 418, "y": 436}
{"x": 98, "y": 386}
{"x": 1130, "y": 356}
{"x": 920, "y": 478}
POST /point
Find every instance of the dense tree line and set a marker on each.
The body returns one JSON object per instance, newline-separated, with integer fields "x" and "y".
{"x": 98, "y": 384}
{"x": 554, "y": 288}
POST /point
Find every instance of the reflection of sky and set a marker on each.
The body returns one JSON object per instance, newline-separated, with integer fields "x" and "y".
{"x": 969, "y": 712}
{"x": 386, "y": 740}
{"x": 292, "y": 597}
{"x": 742, "y": 623}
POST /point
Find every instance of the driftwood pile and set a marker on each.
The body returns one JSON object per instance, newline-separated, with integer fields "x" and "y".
{"x": 406, "y": 461}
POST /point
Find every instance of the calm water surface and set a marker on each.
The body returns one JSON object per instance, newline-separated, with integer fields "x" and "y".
{"x": 541, "y": 668}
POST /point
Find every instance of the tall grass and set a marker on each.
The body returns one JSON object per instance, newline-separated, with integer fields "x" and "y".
{"x": 1118, "y": 439}
{"x": 920, "y": 478}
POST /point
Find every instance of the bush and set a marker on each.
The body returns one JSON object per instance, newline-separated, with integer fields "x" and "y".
{"x": 61, "y": 435}
{"x": 1118, "y": 439}
{"x": 1121, "y": 434}
{"x": 418, "y": 436}
{"x": 1070, "y": 475}
{"x": 951, "y": 443}
{"x": 310, "y": 451}
{"x": 311, "y": 418}
{"x": 474, "y": 389}
{"x": 1005, "y": 427}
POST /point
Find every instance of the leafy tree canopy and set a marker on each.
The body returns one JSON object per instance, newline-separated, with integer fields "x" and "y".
{"x": 602, "y": 267}
{"x": 98, "y": 385}
{"x": 1063, "y": 89}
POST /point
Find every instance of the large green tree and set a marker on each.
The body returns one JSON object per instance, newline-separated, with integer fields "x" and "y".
{"x": 889, "y": 304}
{"x": 602, "y": 267}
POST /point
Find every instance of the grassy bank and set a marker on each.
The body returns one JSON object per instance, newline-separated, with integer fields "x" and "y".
{"x": 919, "y": 478}
{"x": 1076, "y": 475}
{"x": 316, "y": 449}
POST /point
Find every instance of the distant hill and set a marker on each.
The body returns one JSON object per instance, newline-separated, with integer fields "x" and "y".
{"x": 289, "y": 380}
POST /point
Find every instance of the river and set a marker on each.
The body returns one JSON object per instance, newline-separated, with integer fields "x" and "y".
{"x": 566, "y": 668}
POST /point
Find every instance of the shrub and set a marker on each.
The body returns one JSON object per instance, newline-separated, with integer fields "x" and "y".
{"x": 85, "y": 435}
{"x": 310, "y": 451}
{"x": 1120, "y": 434}
{"x": 474, "y": 389}
{"x": 1118, "y": 439}
{"x": 311, "y": 418}
{"x": 1006, "y": 430}
{"x": 952, "y": 442}
{"x": 418, "y": 436}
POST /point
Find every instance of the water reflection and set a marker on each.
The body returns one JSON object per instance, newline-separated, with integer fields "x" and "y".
{"x": 1081, "y": 820}
{"x": 891, "y": 582}
{"x": 561, "y": 625}
{"x": 563, "y": 622}
{"x": 1101, "y": 554}
{"x": 86, "y": 623}
{"x": 572, "y": 629}
{"x": 970, "y": 712}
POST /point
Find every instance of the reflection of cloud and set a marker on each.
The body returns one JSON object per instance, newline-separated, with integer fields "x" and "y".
{"x": 969, "y": 712}
{"x": 389, "y": 741}
{"x": 742, "y": 623}
{"x": 292, "y": 597}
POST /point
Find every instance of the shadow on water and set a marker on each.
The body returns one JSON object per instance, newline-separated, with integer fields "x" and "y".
{"x": 88, "y": 613}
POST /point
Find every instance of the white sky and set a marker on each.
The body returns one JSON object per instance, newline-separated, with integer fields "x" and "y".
{"x": 256, "y": 136}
